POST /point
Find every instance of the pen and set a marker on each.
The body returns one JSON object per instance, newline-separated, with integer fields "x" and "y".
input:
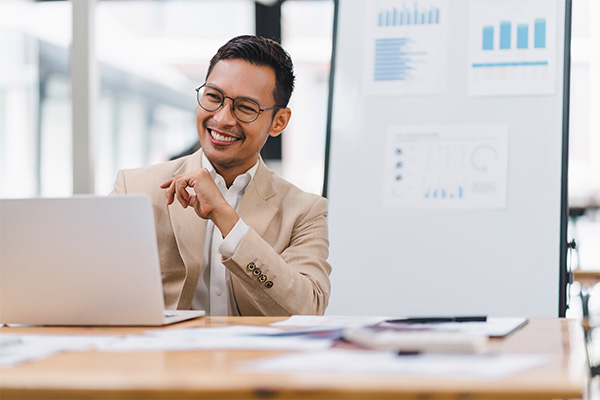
{"x": 430, "y": 320}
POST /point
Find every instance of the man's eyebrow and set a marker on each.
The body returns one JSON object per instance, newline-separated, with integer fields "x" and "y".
{"x": 238, "y": 97}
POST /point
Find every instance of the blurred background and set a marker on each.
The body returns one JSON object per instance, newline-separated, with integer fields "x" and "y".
{"x": 152, "y": 54}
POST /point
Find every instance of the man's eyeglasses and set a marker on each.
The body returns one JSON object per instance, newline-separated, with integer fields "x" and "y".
{"x": 244, "y": 109}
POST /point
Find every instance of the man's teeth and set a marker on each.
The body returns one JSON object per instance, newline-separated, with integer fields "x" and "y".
{"x": 222, "y": 138}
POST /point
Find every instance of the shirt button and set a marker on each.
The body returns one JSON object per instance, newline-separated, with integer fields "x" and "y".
{"x": 218, "y": 292}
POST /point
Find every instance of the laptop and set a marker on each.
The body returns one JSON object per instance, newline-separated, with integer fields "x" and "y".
{"x": 82, "y": 260}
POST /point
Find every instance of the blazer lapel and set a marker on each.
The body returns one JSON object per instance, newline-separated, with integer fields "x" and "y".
{"x": 254, "y": 208}
{"x": 189, "y": 232}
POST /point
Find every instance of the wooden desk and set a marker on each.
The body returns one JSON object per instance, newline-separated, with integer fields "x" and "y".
{"x": 212, "y": 374}
{"x": 587, "y": 277}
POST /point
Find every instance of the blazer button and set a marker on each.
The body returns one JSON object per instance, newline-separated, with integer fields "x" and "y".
{"x": 257, "y": 271}
{"x": 262, "y": 278}
{"x": 269, "y": 284}
{"x": 251, "y": 266}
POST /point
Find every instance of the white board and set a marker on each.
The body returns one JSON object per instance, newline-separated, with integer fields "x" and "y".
{"x": 446, "y": 163}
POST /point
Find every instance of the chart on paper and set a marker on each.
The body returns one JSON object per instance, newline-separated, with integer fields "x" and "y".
{"x": 512, "y": 48}
{"x": 446, "y": 166}
{"x": 406, "y": 47}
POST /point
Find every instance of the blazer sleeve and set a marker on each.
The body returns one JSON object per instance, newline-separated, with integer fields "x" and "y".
{"x": 286, "y": 281}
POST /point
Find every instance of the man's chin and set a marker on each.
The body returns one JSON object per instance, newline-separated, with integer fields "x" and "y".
{"x": 218, "y": 158}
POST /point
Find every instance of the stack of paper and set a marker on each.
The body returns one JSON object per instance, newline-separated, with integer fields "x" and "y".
{"x": 425, "y": 340}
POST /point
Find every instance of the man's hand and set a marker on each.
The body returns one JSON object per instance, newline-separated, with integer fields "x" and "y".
{"x": 207, "y": 200}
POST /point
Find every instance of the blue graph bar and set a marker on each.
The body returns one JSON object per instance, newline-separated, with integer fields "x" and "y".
{"x": 510, "y": 64}
{"x": 488, "y": 38}
{"x": 522, "y": 36}
{"x": 505, "y": 35}
{"x": 416, "y": 14}
{"x": 437, "y": 15}
{"x": 539, "y": 41}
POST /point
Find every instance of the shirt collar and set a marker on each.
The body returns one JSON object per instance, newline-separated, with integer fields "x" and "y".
{"x": 241, "y": 182}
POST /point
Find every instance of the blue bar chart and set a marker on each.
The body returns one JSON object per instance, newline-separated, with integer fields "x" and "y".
{"x": 522, "y": 34}
{"x": 407, "y": 46}
{"x": 512, "y": 48}
{"x": 393, "y": 59}
{"x": 408, "y": 15}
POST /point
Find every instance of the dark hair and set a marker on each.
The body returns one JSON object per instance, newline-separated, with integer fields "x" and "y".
{"x": 262, "y": 52}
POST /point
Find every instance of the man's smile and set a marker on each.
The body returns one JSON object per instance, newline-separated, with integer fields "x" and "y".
{"x": 220, "y": 137}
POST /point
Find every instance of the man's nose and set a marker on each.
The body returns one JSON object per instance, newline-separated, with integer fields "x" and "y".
{"x": 224, "y": 115}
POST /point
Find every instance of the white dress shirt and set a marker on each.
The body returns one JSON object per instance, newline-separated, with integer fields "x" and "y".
{"x": 214, "y": 293}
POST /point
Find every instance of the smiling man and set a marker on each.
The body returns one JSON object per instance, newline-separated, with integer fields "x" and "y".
{"x": 235, "y": 238}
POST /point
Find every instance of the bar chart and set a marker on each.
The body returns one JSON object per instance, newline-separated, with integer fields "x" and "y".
{"x": 522, "y": 34}
{"x": 395, "y": 59}
{"x": 512, "y": 48}
{"x": 407, "y": 47}
{"x": 405, "y": 15}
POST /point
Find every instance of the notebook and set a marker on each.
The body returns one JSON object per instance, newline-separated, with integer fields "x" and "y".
{"x": 81, "y": 260}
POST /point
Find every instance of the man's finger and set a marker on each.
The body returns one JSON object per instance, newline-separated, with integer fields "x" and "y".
{"x": 166, "y": 184}
{"x": 181, "y": 192}
{"x": 170, "y": 193}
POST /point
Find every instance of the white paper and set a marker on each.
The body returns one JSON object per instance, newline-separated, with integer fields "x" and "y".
{"x": 406, "y": 47}
{"x": 512, "y": 47}
{"x": 328, "y": 321}
{"x": 485, "y": 367}
{"x": 233, "y": 338}
{"x": 446, "y": 166}
{"x": 36, "y": 347}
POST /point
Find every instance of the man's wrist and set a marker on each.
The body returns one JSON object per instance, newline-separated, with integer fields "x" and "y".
{"x": 225, "y": 219}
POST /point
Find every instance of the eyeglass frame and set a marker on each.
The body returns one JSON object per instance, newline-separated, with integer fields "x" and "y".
{"x": 205, "y": 84}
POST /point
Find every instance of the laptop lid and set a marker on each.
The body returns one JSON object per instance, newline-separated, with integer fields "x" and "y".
{"x": 82, "y": 260}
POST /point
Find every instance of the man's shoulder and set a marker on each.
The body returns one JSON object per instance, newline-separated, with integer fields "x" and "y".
{"x": 287, "y": 192}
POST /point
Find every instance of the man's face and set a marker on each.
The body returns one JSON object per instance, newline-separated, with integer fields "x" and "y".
{"x": 230, "y": 145}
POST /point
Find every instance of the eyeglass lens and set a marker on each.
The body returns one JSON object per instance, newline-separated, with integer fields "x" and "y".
{"x": 212, "y": 99}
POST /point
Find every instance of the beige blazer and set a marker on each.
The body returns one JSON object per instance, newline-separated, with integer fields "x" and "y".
{"x": 280, "y": 267}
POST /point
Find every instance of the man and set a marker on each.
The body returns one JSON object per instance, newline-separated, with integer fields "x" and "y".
{"x": 235, "y": 238}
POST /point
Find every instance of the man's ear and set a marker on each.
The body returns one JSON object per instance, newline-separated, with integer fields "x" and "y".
{"x": 280, "y": 122}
